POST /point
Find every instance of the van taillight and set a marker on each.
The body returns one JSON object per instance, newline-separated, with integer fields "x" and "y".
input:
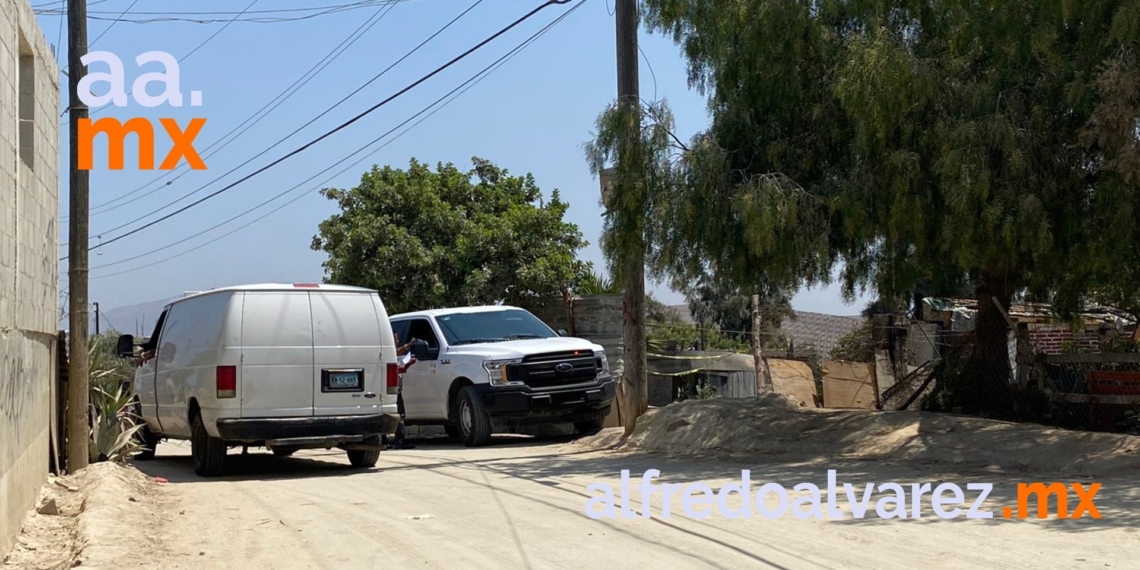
{"x": 393, "y": 377}
{"x": 226, "y": 377}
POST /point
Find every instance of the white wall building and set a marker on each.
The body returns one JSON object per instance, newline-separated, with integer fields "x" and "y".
{"x": 29, "y": 259}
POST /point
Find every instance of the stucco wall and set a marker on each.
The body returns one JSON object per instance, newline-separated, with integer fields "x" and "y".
{"x": 29, "y": 267}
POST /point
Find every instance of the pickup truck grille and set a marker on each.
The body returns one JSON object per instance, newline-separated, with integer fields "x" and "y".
{"x": 555, "y": 369}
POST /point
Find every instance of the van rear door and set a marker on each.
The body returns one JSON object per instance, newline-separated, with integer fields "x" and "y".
{"x": 277, "y": 355}
{"x": 347, "y": 374}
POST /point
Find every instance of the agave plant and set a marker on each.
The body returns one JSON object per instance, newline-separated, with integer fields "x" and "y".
{"x": 594, "y": 283}
{"x": 113, "y": 425}
{"x": 107, "y": 369}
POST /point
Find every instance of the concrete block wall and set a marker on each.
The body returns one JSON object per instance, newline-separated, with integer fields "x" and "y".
{"x": 29, "y": 267}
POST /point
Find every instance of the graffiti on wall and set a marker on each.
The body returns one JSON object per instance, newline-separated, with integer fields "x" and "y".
{"x": 22, "y": 390}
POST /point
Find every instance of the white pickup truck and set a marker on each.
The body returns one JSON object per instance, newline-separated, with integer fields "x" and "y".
{"x": 485, "y": 369}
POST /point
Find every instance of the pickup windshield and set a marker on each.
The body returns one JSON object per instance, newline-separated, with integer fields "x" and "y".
{"x": 492, "y": 326}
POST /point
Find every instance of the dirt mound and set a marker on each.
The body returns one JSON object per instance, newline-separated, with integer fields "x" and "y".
{"x": 775, "y": 425}
{"x": 103, "y": 516}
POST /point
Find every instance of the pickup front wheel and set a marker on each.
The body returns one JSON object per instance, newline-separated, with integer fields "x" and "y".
{"x": 474, "y": 423}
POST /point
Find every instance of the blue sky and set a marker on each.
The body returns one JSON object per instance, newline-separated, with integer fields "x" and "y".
{"x": 532, "y": 115}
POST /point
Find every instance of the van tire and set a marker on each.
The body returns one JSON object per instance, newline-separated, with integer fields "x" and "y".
{"x": 144, "y": 437}
{"x": 365, "y": 459}
{"x": 209, "y": 452}
{"x": 284, "y": 451}
{"x": 475, "y": 428}
{"x": 148, "y": 442}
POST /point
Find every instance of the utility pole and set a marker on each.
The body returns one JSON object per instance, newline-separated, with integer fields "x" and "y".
{"x": 635, "y": 389}
{"x": 96, "y": 318}
{"x": 77, "y": 395}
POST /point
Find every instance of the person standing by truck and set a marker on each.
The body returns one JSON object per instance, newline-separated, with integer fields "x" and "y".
{"x": 402, "y": 354}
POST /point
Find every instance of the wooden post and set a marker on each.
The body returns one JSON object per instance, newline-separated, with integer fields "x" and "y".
{"x": 763, "y": 378}
{"x": 568, "y": 301}
{"x": 635, "y": 385}
{"x": 78, "y": 429}
{"x": 1024, "y": 355}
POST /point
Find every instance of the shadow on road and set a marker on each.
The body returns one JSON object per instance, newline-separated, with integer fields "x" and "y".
{"x": 173, "y": 462}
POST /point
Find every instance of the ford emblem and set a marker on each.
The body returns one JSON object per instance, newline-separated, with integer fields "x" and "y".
{"x": 564, "y": 367}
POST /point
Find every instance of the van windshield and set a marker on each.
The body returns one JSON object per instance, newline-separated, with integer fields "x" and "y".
{"x": 492, "y": 326}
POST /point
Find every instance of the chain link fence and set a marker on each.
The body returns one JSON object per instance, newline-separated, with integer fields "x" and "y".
{"x": 1098, "y": 392}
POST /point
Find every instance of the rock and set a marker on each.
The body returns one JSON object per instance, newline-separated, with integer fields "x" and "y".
{"x": 48, "y": 508}
{"x": 61, "y": 484}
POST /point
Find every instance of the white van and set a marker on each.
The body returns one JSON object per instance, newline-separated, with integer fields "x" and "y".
{"x": 288, "y": 367}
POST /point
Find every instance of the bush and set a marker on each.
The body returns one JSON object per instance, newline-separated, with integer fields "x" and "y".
{"x": 855, "y": 346}
{"x": 113, "y": 423}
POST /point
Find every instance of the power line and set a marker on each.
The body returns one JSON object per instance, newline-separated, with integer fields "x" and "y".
{"x": 105, "y": 30}
{"x": 256, "y": 20}
{"x": 385, "y": 3}
{"x": 453, "y": 95}
{"x": 256, "y": 117}
{"x": 100, "y": 36}
{"x": 272, "y": 105}
{"x": 349, "y": 5}
{"x": 112, "y": 25}
{"x": 311, "y": 122}
{"x": 187, "y": 56}
{"x": 286, "y": 137}
{"x": 103, "y": 316}
{"x": 61, "y": 6}
{"x": 59, "y": 36}
{"x": 344, "y": 125}
{"x": 222, "y": 29}
{"x": 652, "y": 73}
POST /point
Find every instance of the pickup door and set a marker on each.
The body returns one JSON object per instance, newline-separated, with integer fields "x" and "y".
{"x": 425, "y": 388}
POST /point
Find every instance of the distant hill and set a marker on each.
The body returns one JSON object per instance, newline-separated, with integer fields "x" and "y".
{"x": 134, "y": 319}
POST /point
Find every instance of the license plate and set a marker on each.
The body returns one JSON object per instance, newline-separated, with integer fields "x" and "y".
{"x": 343, "y": 380}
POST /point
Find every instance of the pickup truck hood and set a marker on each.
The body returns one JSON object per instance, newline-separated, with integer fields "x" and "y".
{"x": 520, "y": 348}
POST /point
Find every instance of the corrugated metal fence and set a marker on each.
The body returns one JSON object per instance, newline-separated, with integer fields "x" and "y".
{"x": 738, "y": 384}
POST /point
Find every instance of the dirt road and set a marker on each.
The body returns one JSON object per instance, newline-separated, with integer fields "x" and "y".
{"x": 520, "y": 504}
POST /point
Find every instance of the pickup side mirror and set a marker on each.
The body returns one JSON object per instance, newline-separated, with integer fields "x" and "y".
{"x": 126, "y": 346}
{"x": 420, "y": 350}
{"x": 562, "y": 332}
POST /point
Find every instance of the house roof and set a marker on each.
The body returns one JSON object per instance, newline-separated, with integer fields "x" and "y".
{"x": 1032, "y": 312}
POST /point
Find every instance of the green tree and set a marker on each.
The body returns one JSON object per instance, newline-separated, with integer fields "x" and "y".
{"x": 912, "y": 141}
{"x": 729, "y": 308}
{"x": 447, "y": 237}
